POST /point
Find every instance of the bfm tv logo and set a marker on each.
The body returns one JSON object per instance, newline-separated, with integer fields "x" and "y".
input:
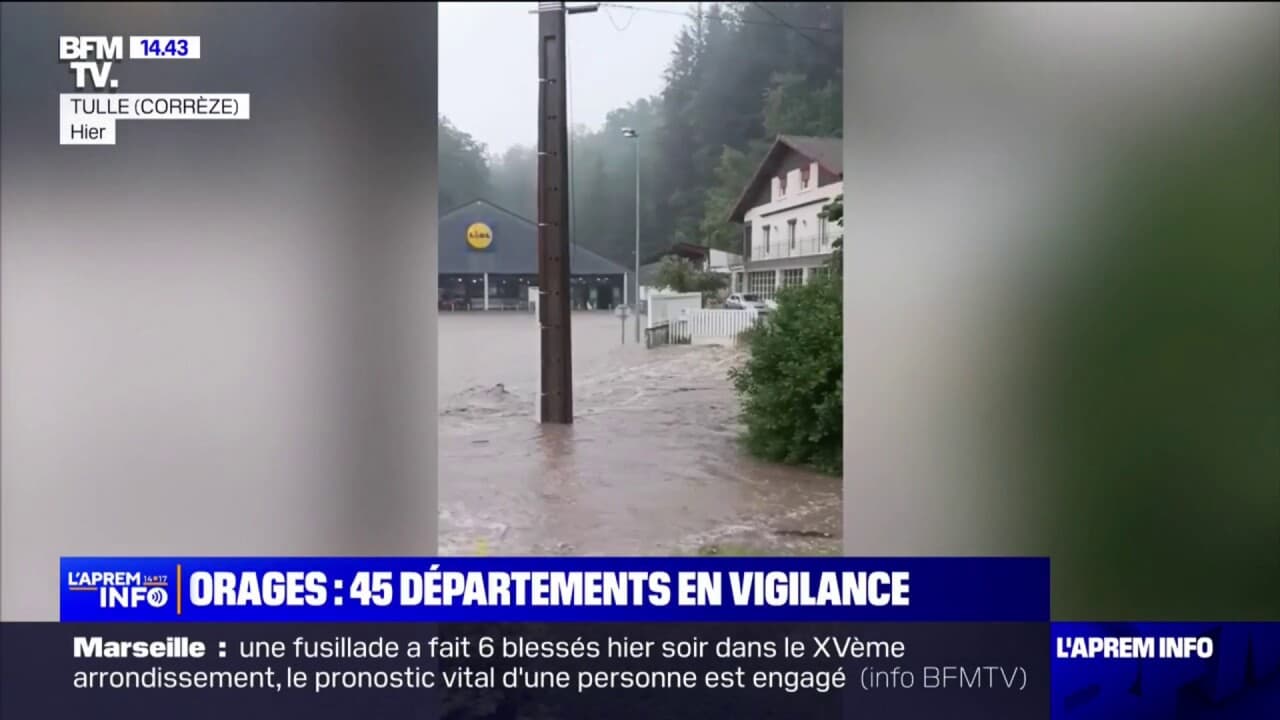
{"x": 122, "y": 589}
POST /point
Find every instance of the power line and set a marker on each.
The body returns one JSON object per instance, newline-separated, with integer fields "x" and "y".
{"x": 689, "y": 16}
{"x": 784, "y": 23}
{"x": 630, "y": 18}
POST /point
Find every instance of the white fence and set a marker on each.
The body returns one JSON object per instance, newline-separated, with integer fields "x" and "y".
{"x": 714, "y": 326}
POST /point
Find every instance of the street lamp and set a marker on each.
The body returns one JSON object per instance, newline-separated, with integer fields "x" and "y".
{"x": 635, "y": 136}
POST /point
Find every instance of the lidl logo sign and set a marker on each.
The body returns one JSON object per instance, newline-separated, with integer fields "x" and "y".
{"x": 479, "y": 236}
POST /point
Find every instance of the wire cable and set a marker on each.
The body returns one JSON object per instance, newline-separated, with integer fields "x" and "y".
{"x": 630, "y": 19}
{"x": 689, "y": 15}
{"x": 784, "y": 23}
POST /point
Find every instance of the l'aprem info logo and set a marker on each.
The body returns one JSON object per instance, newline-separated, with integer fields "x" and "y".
{"x": 122, "y": 589}
{"x": 88, "y": 116}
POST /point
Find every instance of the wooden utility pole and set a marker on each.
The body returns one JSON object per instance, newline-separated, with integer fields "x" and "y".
{"x": 553, "y": 217}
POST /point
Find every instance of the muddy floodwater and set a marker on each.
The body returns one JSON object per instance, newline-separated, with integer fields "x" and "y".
{"x": 650, "y": 466}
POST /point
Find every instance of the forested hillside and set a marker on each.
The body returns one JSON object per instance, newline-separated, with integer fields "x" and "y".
{"x": 740, "y": 74}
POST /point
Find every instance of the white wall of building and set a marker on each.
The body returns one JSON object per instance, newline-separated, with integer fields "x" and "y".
{"x": 812, "y": 234}
{"x": 720, "y": 261}
{"x": 667, "y": 307}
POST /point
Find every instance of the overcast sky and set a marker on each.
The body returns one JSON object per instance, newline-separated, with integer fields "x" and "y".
{"x": 489, "y": 64}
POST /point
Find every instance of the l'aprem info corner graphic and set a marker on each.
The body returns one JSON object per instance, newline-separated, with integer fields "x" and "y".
{"x": 88, "y": 116}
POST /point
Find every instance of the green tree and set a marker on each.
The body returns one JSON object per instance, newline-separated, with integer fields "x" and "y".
{"x": 604, "y": 184}
{"x": 732, "y": 174}
{"x": 682, "y": 276}
{"x": 791, "y": 386}
{"x": 833, "y": 212}
{"x": 679, "y": 173}
{"x": 792, "y": 106}
{"x": 515, "y": 180}
{"x": 740, "y": 74}
{"x": 464, "y": 168}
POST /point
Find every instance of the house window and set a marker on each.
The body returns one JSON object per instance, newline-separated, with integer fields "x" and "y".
{"x": 782, "y": 186}
{"x": 766, "y": 239}
{"x": 804, "y": 178}
{"x": 762, "y": 283}
{"x": 791, "y": 234}
{"x": 822, "y": 232}
{"x": 793, "y": 277}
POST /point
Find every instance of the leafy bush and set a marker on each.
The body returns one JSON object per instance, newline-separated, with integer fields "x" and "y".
{"x": 833, "y": 212}
{"x": 682, "y": 276}
{"x": 791, "y": 386}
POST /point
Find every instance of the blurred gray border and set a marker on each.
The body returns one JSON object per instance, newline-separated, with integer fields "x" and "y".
{"x": 218, "y": 337}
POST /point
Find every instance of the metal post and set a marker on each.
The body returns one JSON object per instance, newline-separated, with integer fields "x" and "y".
{"x": 636, "y": 139}
{"x": 553, "y": 215}
{"x": 537, "y": 393}
{"x": 486, "y": 291}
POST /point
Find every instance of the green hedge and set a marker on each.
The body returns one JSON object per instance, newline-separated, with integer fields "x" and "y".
{"x": 791, "y": 385}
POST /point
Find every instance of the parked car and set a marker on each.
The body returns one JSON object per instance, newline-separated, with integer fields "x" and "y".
{"x": 746, "y": 301}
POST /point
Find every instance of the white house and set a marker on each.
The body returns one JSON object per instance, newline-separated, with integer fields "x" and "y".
{"x": 785, "y": 239}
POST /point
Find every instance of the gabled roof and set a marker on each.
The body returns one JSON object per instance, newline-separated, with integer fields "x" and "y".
{"x": 515, "y": 245}
{"x": 827, "y": 152}
{"x": 681, "y": 249}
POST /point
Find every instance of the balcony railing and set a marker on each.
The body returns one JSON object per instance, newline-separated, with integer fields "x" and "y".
{"x": 780, "y": 248}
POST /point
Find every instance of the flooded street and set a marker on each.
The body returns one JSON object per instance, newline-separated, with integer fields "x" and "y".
{"x": 651, "y": 465}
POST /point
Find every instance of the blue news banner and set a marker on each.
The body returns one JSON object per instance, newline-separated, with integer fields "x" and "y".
{"x": 613, "y": 637}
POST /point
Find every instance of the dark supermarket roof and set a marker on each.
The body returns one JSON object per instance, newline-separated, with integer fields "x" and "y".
{"x": 514, "y": 250}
